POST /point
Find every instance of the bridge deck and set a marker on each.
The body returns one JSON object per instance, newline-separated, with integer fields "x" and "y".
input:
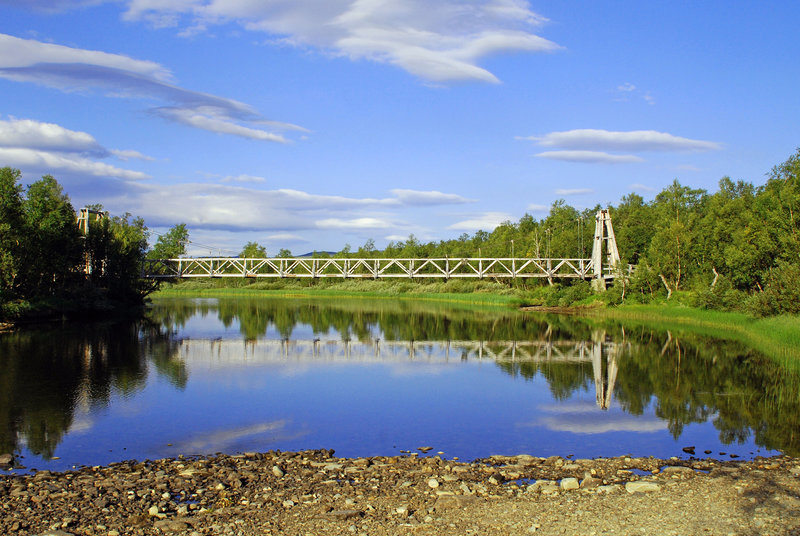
{"x": 307, "y": 267}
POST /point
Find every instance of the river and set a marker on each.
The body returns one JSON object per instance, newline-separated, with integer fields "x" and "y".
{"x": 381, "y": 377}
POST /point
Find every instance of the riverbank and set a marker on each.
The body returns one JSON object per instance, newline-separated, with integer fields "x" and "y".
{"x": 487, "y": 297}
{"x": 777, "y": 337}
{"x": 315, "y": 492}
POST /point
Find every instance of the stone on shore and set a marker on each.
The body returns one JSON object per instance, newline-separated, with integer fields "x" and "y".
{"x": 641, "y": 486}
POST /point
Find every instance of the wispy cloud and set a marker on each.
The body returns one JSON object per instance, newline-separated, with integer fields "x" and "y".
{"x": 287, "y": 237}
{"x": 354, "y": 223}
{"x": 634, "y": 140}
{"x": 129, "y": 154}
{"x": 627, "y": 87}
{"x": 592, "y": 157}
{"x": 534, "y": 207}
{"x": 592, "y": 145}
{"x": 72, "y": 69}
{"x": 252, "y": 179}
{"x": 438, "y": 41}
{"x": 433, "y": 197}
{"x": 643, "y": 187}
{"x": 486, "y": 221}
{"x": 50, "y": 148}
{"x": 573, "y": 191}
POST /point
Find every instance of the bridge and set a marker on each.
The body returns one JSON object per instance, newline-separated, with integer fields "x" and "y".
{"x": 601, "y": 267}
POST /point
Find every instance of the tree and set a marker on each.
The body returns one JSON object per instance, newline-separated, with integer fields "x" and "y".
{"x": 52, "y": 242}
{"x": 170, "y": 245}
{"x": 11, "y": 220}
{"x": 677, "y": 209}
{"x": 253, "y": 250}
{"x": 284, "y": 253}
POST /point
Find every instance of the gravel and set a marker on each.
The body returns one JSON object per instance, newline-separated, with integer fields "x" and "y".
{"x": 315, "y": 493}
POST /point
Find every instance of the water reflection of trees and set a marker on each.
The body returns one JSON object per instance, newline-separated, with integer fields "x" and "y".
{"x": 684, "y": 378}
{"x": 50, "y": 374}
{"x": 690, "y": 379}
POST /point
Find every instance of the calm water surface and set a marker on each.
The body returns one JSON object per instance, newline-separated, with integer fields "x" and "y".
{"x": 378, "y": 377}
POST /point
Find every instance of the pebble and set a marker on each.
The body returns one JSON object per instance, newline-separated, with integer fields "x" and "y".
{"x": 433, "y": 483}
{"x": 277, "y": 471}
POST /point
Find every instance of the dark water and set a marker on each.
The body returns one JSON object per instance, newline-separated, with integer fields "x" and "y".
{"x": 377, "y": 377}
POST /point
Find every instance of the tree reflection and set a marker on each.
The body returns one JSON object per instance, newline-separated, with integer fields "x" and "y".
{"x": 49, "y": 373}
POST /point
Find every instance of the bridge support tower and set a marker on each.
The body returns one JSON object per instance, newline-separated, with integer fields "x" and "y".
{"x": 603, "y": 248}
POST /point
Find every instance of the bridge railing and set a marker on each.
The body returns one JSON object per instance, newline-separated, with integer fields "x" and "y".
{"x": 307, "y": 267}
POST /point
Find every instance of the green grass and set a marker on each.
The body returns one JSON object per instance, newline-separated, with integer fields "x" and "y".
{"x": 421, "y": 292}
{"x": 777, "y": 337}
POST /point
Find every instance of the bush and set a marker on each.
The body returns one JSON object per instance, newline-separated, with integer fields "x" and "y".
{"x": 781, "y": 294}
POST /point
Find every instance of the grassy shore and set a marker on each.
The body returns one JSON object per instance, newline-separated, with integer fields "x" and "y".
{"x": 777, "y": 337}
{"x": 488, "y": 295}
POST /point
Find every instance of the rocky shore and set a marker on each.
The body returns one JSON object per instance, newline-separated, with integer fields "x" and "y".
{"x": 316, "y": 493}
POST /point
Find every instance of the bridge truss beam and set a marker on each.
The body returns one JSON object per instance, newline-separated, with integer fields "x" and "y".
{"x": 304, "y": 267}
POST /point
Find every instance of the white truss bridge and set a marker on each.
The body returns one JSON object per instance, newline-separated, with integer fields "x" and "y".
{"x": 305, "y": 267}
{"x": 601, "y": 267}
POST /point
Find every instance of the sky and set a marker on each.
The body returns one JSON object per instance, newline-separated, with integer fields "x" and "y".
{"x": 312, "y": 124}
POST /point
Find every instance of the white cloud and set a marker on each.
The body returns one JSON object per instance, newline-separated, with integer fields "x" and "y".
{"x": 244, "y": 178}
{"x": 228, "y": 207}
{"x": 395, "y": 238}
{"x": 52, "y": 162}
{"x": 50, "y": 148}
{"x": 433, "y": 197}
{"x": 573, "y": 191}
{"x": 485, "y": 222}
{"x": 73, "y": 69}
{"x": 27, "y": 133}
{"x": 627, "y": 87}
{"x": 17, "y": 54}
{"x": 634, "y": 140}
{"x": 439, "y": 41}
{"x": 592, "y": 157}
{"x": 355, "y": 223}
{"x": 214, "y": 120}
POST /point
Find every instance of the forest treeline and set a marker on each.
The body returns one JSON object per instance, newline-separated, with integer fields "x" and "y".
{"x": 48, "y": 265}
{"x": 735, "y": 249}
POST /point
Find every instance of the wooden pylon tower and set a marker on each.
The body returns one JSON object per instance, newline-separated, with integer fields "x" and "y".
{"x": 84, "y": 215}
{"x": 604, "y": 250}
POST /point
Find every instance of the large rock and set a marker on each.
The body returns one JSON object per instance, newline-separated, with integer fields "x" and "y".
{"x": 6, "y": 459}
{"x": 569, "y": 483}
{"x": 641, "y": 486}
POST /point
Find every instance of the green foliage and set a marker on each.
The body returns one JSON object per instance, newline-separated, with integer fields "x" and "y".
{"x": 172, "y": 244}
{"x": 47, "y": 266}
{"x": 253, "y": 250}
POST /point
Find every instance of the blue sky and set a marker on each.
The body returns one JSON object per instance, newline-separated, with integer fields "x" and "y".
{"x": 309, "y": 124}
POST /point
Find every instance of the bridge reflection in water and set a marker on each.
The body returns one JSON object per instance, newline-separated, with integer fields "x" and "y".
{"x": 601, "y": 353}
